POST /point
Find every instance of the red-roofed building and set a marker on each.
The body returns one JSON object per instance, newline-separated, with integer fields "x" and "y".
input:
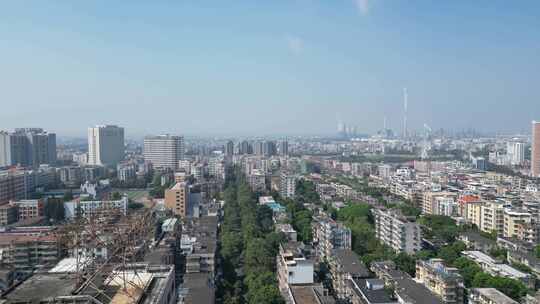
{"x": 465, "y": 202}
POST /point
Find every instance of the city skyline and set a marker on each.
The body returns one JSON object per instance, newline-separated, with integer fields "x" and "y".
{"x": 284, "y": 67}
{"x": 270, "y": 152}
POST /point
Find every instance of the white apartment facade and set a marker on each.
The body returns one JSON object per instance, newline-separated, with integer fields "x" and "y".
{"x": 164, "y": 151}
{"x": 398, "y": 232}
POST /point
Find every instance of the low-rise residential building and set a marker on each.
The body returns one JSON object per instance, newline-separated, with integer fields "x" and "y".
{"x": 197, "y": 288}
{"x": 516, "y": 222}
{"x": 257, "y": 180}
{"x": 26, "y": 253}
{"x": 295, "y": 274}
{"x": 12, "y": 185}
{"x": 406, "y": 290}
{"x": 28, "y": 209}
{"x": 370, "y": 291}
{"x": 492, "y": 217}
{"x": 293, "y": 268}
{"x": 497, "y": 268}
{"x": 489, "y": 296}
{"x": 126, "y": 171}
{"x": 199, "y": 244}
{"x": 465, "y": 202}
{"x": 129, "y": 283}
{"x": 442, "y": 280}
{"x": 525, "y": 257}
{"x": 329, "y": 235}
{"x": 399, "y": 232}
{"x": 344, "y": 266}
{"x": 310, "y": 294}
{"x": 475, "y": 241}
{"x": 8, "y": 214}
{"x": 288, "y": 231}
{"x": 432, "y": 199}
{"x": 95, "y": 208}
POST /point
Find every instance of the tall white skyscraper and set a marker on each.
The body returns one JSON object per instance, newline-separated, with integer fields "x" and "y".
{"x": 515, "y": 152}
{"x": 164, "y": 151}
{"x": 105, "y": 145}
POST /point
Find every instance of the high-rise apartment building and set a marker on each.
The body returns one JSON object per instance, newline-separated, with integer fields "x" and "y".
{"x": 515, "y": 152}
{"x": 269, "y": 148}
{"x": 287, "y": 187}
{"x": 258, "y": 147}
{"x": 164, "y": 151}
{"x": 5, "y": 149}
{"x": 284, "y": 148}
{"x": 245, "y": 148}
{"x": 535, "y": 153}
{"x": 28, "y": 147}
{"x": 177, "y": 199}
{"x": 105, "y": 145}
{"x": 229, "y": 148}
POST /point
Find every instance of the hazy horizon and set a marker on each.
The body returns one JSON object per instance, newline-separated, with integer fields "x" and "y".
{"x": 269, "y": 67}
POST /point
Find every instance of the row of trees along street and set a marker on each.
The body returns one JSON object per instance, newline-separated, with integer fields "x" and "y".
{"x": 249, "y": 247}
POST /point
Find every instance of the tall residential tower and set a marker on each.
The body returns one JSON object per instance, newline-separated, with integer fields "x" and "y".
{"x": 164, "y": 151}
{"x": 29, "y": 147}
{"x": 105, "y": 145}
{"x": 535, "y": 153}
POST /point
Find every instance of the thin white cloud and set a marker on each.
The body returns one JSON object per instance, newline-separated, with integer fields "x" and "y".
{"x": 362, "y": 6}
{"x": 295, "y": 44}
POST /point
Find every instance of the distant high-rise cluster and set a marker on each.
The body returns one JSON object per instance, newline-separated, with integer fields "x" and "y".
{"x": 164, "y": 151}
{"x": 346, "y": 131}
{"x": 29, "y": 147}
{"x": 105, "y": 145}
{"x": 535, "y": 153}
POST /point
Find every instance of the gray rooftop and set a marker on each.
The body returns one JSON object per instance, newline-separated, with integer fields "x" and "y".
{"x": 310, "y": 294}
{"x": 374, "y": 296}
{"x": 413, "y": 292}
{"x": 198, "y": 288}
{"x": 494, "y": 295}
{"x": 42, "y": 286}
{"x": 351, "y": 263}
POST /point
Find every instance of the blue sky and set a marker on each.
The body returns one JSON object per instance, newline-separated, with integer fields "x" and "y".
{"x": 266, "y": 67}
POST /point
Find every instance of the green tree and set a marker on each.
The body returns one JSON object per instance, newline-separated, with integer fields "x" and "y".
{"x": 498, "y": 253}
{"x": 440, "y": 227}
{"x": 248, "y": 241}
{"x": 537, "y": 251}
{"x": 116, "y": 196}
